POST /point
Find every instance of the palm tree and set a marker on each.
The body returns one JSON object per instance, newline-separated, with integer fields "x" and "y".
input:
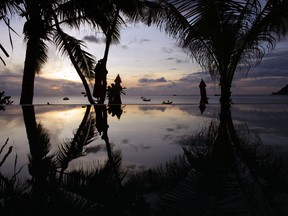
{"x": 6, "y": 10}
{"x": 42, "y": 14}
{"x": 120, "y": 13}
{"x": 109, "y": 16}
{"x": 224, "y": 36}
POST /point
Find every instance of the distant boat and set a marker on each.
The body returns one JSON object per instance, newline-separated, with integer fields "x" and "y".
{"x": 66, "y": 98}
{"x": 167, "y": 102}
{"x": 145, "y": 99}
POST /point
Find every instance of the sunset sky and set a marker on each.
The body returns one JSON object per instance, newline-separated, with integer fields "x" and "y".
{"x": 148, "y": 61}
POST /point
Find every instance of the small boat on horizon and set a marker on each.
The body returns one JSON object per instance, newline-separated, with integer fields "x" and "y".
{"x": 66, "y": 98}
{"x": 167, "y": 102}
{"x": 145, "y": 99}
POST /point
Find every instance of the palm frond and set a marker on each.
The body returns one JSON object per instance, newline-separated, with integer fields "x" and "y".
{"x": 98, "y": 184}
{"x": 36, "y": 54}
{"x": 40, "y": 162}
{"x": 68, "y": 44}
{"x": 164, "y": 15}
{"x": 75, "y": 203}
{"x": 8, "y": 152}
{"x": 72, "y": 149}
{"x": 76, "y": 13}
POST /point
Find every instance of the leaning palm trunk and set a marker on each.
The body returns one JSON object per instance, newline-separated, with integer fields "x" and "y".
{"x": 72, "y": 59}
{"x": 82, "y": 77}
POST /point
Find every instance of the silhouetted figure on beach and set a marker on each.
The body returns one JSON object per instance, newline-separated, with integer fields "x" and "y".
{"x": 99, "y": 91}
{"x": 202, "y": 86}
{"x": 114, "y": 97}
{"x": 114, "y": 91}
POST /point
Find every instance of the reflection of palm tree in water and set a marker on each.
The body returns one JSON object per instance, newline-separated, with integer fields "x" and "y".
{"x": 84, "y": 192}
{"x": 102, "y": 127}
{"x": 46, "y": 170}
{"x": 221, "y": 173}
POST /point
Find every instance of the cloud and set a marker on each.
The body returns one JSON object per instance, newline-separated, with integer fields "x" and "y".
{"x": 159, "y": 80}
{"x": 269, "y": 76}
{"x": 125, "y": 47}
{"x": 138, "y": 41}
{"x": 167, "y": 50}
{"x": 93, "y": 39}
{"x": 143, "y": 40}
{"x": 195, "y": 77}
{"x": 11, "y": 83}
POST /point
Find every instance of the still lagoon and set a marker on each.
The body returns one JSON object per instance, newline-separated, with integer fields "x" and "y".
{"x": 151, "y": 139}
{"x": 147, "y": 133}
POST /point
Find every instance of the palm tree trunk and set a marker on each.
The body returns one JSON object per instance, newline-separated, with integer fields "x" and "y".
{"x": 29, "y": 72}
{"x": 76, "y": 137}
{"x": 83, "y": 79}
{"x": 102, "y": 128}
{"x": 225, "y": 90}
{"x": 105, "y": 57}
{"x": 78, "y": 70}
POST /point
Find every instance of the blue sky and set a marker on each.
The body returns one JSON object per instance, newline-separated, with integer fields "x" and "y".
{"x": 148, "y": 61}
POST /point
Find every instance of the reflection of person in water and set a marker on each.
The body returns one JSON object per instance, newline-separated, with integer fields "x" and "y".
{"x": 100, "y": 70}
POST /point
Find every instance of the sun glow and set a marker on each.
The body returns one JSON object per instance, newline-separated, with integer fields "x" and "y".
{"x": 60, "y": 70}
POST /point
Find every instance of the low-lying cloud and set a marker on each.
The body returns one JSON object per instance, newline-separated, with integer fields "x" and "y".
{"x": 146, "y": 80}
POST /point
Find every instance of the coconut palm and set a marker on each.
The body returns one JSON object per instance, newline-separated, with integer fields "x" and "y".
{"x": 223, "y": 36}
{"x": 6, "y": 10}
{"x": 112, "y": 16}
{"x": 121, "y": 13}
{"x": 43, "y": 14}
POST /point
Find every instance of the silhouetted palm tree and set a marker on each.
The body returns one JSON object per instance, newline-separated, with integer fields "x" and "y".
{"x": 116, "y": 14}
{"x": 42, "y": 14}
{"x": 224, "y": 36}
{"x": 6, "y": 11}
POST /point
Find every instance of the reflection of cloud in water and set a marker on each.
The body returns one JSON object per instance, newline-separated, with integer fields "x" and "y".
{"x": 140, "y": 147}
{"x": 170, "y": 129}
{"x": 168, "y": 137}
{"x": 133, "y": 167}
{"x": 125, "y": 141}
{"x": 176, "y": 133}
{"x": 147, "y": 108}
{"x": 95, "y": 149}
{"x": 267, "y": 119}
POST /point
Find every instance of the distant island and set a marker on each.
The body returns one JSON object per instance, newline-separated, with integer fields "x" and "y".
{"x": 283, "y": 91}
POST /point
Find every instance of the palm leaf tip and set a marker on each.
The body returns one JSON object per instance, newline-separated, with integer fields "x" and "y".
{"x": 70, "y": 45}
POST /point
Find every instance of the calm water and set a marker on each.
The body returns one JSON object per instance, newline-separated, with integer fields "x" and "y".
{"x": 180, "y": 99}
{"x": 147, "y": 134}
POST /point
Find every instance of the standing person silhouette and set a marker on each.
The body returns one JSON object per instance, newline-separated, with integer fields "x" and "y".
{"x": 99, "y": 90}
{"x": 203, "y": 94}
